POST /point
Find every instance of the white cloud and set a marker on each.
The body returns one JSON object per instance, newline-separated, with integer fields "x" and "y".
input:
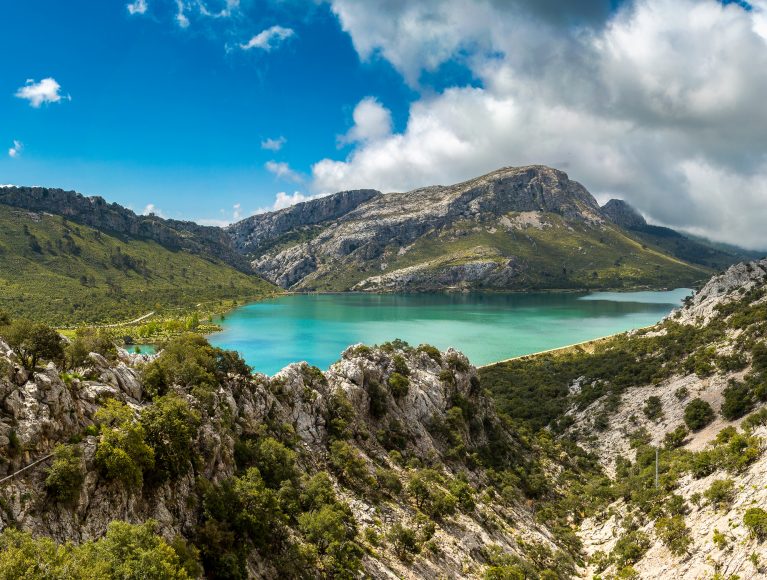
{"x": 137, "y": 7}
{"x": 371, "y": 121}
{"x": 15, "y": 151}
{"x": 181, "y": 18}
{"x": 228, "y": 10}
{"x": 237, "y": 212}
{"x": 269, "y": 38}
{"x": 283, "y": 200}
{"x": 273, "y": 144}
{"x": 152, "y": 209}
{"x": 283, "y": 171}
{"x": 46, "y": 91}
{"x": 661, "y": 104}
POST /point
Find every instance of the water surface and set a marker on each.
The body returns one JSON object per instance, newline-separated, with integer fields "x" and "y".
{"x": 486, "y": 326}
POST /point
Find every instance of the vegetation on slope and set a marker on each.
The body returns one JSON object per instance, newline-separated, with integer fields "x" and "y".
{"x": 558, "y": 255}
{"x": 56, "y": 271}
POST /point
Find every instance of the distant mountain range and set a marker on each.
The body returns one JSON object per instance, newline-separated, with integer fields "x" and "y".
{"x": 526, "y": 228}
{"x": 516, "y": 228}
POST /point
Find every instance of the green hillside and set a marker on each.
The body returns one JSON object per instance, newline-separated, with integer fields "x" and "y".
{"x": 559, "y": 255}
{"x": 61, "y": 272}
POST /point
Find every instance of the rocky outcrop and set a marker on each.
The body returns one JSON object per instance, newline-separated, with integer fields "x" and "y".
{"x": 391, "y": 222}
{"x": 623, "y": 214}
{"x": 47, "y": 407}
{"x": 111, "y": 217}
{"x": 257, "y": 233}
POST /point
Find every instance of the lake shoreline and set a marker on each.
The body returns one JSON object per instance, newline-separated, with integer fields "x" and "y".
{"x": 489, "y": 327}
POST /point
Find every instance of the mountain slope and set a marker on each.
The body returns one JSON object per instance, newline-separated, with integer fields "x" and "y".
{"x": 690, "y": 249}
{"x": 515, "y": 228}
{"x": 694, "y": 388}
{"x": 62, "y": 272}
{"x": 391, "y": 464}
{"x": 112, "y": 218}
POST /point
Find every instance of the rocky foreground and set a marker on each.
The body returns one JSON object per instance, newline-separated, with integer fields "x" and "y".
{"x": 395, "y": 462}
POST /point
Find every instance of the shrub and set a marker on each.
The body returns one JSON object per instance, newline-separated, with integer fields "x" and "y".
{"x": 682, "y": 393}
{"x": 697, "y": 414}
{"x": 755, "y": 520}
{"x": 400, "y": 365}
{"x": 737, "y": 401}
{"x": 398, "y": 384}
{"x": 170, "y": 428}
{"x": 65, "y": 476}
{"x": 388, "y": 481}
{"x": 431, "y": 351}
{"x": 85, "y": 342}
{"x": 349, "y": 464}
{"x": 721, "y": 493}
{"x": 404, "y": 541}
{"x": 674, "y": 439}
{"x": 32, "y": 342}
{"x": 378, "y": 403}
{"x": 332, "y": 529}
{"x": 674, "y": 534}
{"x": 630, "y": 548}
{"x": 122, "y": 452}
{"x": 653, "y": 408}
{"x": 276, "y": 463}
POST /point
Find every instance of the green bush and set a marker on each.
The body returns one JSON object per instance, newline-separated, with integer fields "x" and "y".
{"x": 721, "y": 493}
{"x": 170, "y": 426}
{"x": 349, "y": 464}
{"x": 398, "y": 385}
{"x": 653, "y": 408}
{"x": 122, "y": 452}
{"x": 86, "y": 341}
{"x": 275, "y": 462}
{"x": 65, "y": 476}
{"x": 630, "y": 548}
{"x": 404, "y": 541}
{"x": 737, "y": 401}
{"x": 333, "y": 530}
{"x": 674, "y": 439}
{"x": 755, "y": 520}
{"x": 32, "y": 342}
{"x": 674, "y": 534}
{"x": 126, "y": 551}
{"x": 432, "y": 352}
{"x": 697, "y": 414}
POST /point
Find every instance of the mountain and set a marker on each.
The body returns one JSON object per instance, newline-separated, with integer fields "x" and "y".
{"x": 693, "y": 388}
{"x": 61, "y": 271}
{"x": 688, "y": 248}
{"x": 516, "y": 228}
{"x": 207, "y": 241}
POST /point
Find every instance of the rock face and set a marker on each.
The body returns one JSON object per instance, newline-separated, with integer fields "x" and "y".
{"x": 257, "y": 233}
{"x": 417, "y": 240}
{"x": 111, "y": 217}
{"x": 724, "y": 288}
{"x": 624, "y": 215}
{"x": 39, "y": 410}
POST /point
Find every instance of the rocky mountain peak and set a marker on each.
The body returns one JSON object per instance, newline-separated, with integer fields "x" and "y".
{"x": 623, "y": 214}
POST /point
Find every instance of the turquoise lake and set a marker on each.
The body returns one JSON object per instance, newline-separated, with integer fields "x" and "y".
{"x": 488, "y": 327}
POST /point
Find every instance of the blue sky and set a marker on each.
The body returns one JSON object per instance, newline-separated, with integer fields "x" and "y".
{"x": 166, "y": 104}
{"x": 175, "y": 117}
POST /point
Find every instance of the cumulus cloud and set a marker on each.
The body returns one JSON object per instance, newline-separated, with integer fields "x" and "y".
{"x": 283, "y": 200}
{"x": 268, "y": 39}
{"x": 137, "y": 7}
{"x": 273, "y": 144}
{"x": 46, "y": 91}
{"x": 371, "y": 121}
{"x": 283, "y": 171}
{"x": 15, "y": 151}
{"x": 659, "y": 103}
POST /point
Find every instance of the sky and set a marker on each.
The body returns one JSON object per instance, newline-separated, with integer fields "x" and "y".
{"x": 213, "y": 110}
